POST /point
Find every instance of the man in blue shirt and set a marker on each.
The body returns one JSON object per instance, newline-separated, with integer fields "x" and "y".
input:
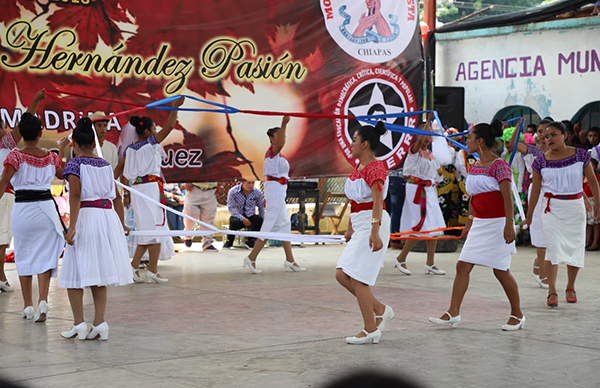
{"x": 242, "y": 202}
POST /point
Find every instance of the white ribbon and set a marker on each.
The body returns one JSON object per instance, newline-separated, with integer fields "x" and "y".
{"x": 214, "y": 230}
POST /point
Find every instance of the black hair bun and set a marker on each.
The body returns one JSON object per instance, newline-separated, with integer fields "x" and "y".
{"x": 135, "y": 121}
{"x": 27, "y": 118}
{"x": 86, "y": 123}
{"x": 380, "y": 128}
{"x": 497, "y": 130}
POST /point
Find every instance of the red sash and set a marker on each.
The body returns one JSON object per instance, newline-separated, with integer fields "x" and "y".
{"x": 420, "y": 198}
{"x": 161, "y": 183}
{"x": 98, "y": 203}
{"x": 9, "y": 189}
{"x": 569, "y": 197}
{"x": 356, "y": 207}
{"x": 488, "y": 205}
{"x": 282, "y": 181}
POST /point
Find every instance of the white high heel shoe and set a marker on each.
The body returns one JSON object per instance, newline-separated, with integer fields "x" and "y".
{"x": 28, "y": 312}
{"x": 541, "y": 282}
{"x": 290, "y": 267}
{"x": 5, "y": 287}
{"x": 387, "y": 316}
{"x": 373, "y": 337}
{"x": 99, "y": 332}
{"x": 137, "y": 278}
{"x": 400, "y": 267}
{"x": 434, "y": 271}
{"x": 516, "y": 327}
{"x": 453, "y": 321}
{"x": 42, "y": 312}
{"x": 153, "y": 278}
{"x": 80, "y": 331}
{"x": 248, "y": 264}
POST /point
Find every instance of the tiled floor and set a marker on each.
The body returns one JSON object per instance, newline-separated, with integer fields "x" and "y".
{"x": 216, "y": 325}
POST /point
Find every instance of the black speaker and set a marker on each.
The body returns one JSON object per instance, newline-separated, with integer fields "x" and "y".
{"x": 450, "y": 104}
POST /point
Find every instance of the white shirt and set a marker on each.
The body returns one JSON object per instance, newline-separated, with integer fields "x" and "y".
{"x": 109, "y": 153}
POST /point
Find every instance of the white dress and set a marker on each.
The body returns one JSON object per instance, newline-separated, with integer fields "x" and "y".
{"x": 421, "y": 165}
{"x": 99, "y": 255}
{"x": 144, "y": 159}
{"x": 37, "y": 231}
{"x": 535, "y": 229}
{"x": 564, "y": 221}
{"x": 485, "y": 243}
{"x": 7, "y": 143}
{"x": 277, "y": 219}
{"x": 358, "y": 260}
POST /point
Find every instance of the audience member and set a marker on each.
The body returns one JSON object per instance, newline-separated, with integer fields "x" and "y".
{"x": 201, "y": 203}
{"x": 242, "y": 202}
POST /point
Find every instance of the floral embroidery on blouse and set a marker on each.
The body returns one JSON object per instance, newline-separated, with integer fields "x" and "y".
{"x": 73, "y": 166}
{"x": 269, "y": 154}
{"x": 136, "y": 146}
{"x": 372, "y": 172}
{"x": 8, "y": 142}
{"x": 580, "y": 156}
{"x": 15, "y": 158}
{"x": 499, "y": 170}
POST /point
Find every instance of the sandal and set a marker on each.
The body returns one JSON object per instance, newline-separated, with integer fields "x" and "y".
{"x": 571, "y": 300}
{"x": 552, "y": 303}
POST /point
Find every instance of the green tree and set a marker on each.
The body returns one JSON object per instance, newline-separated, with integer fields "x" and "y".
{"x": 449, "y": 10}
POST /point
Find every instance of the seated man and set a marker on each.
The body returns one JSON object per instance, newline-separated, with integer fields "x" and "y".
{"x": 242, "y": 202}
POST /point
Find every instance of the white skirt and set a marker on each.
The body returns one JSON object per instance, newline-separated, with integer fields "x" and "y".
{"x": 277, "y": 219}
{"x": 39, "y": 240}
{"x": 358, "y": 260}
{"x": 535, "y": 229}
{"x": 564, "y": 231}
{"x": 6, "y": 205}
{"x": 411, "y": 212}
{"x": 99, "y": 255}
{"x": 151, "y": 217}
{"x": 485, "y": 244}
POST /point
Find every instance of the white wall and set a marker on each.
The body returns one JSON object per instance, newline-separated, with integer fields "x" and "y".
{"x": 551, "y": 67}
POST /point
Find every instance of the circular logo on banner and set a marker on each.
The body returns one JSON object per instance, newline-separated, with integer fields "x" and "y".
{"x": 373, "y": 31}
{"x": 373, "y": 91}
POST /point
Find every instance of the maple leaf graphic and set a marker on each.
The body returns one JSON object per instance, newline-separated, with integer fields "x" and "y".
{"x": 92, "y": 22}
{"x": 129, "y": 90}
{"x": 10, "y": 10}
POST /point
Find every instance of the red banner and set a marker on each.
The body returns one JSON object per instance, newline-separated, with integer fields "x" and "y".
{"x": 341, "y": 57}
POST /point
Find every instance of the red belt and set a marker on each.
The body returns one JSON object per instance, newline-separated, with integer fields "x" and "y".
{"x": 282, "y": 181}
{"x": 9, "y": 189}
{"x": 560, "y": 196}
{"x": 488, "y": 205}
{"x": 356, "y": 207}
{"x": 98, "y": 203}
{"x": 161, "y": 184}
{"x": 420, "y": 197}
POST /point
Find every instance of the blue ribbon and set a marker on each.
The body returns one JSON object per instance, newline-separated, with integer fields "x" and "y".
{"x": 514, "y": 151}
{"x": 223, "y": 108}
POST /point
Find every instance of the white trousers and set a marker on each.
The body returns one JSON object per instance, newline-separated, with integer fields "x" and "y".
{"x": 200, "y": 204}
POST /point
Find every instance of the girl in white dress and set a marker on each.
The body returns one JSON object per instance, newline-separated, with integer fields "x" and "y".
{"x": 558, "y": 174}
{"x": 141, "y": 163}
{"x": 36, "y": 225}
{"x": 490, "y": 228}
{"x": 421, "y": 209}
{"x": 96, "y": 256}
{"x": 367, "y": 235}
{"x": 8, "y": 142}
{"x": 276, "y": 170}
{"x": 530, "y": 152}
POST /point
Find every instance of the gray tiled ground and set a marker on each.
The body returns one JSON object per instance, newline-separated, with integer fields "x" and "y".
{"x": 215, "y": 325}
